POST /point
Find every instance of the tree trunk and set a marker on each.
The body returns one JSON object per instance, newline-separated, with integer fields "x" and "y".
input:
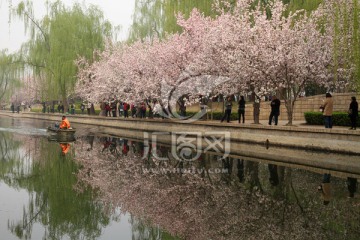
{"x": 65, "y": 104}
{"x": 290, "y": 110}
{"x": 257, "y": 112}
{"x": 252, "y": 172}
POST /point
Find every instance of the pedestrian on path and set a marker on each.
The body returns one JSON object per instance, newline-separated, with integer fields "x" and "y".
{"x": 353, "y": 112}
{"x": 275, "y": 110}
{"x": 228, "y": 106}
{"x": 241, "y": 110}
{"x": 328, "y": 110}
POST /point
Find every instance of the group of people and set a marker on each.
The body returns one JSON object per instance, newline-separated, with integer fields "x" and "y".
{"x": 274, "y": 113}
{"x": 114, "y": 108}
{"x": 328, "y": 106}
{"x": 325, "y": 188}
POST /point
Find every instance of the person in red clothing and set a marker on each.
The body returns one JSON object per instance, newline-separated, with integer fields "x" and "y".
{"x": 126, "y": 110}
{"x": 65, "y": 124}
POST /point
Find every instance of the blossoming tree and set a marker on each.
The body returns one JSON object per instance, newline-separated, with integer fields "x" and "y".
{"x": 244, "y": 48}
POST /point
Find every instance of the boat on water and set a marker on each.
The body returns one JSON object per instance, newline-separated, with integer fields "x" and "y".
{"x": 61, "y": 131}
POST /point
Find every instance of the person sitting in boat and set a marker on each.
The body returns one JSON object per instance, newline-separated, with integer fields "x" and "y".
{"x": 65, "y": 124}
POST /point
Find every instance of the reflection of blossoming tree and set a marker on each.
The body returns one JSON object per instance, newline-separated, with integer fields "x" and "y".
{"x": 193, "y": 207}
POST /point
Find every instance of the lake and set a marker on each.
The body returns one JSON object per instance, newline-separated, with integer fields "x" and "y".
{"x": 100, "y": 186}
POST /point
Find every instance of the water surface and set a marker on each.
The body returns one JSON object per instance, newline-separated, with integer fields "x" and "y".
{"x": 115, "y": 187}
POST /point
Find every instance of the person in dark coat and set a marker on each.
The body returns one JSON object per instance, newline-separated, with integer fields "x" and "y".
{"x": 241, "y": 110}
{"x": 275, "y": 110}
{"x": 353, "y": 112}
{"x": 228, "y": 106}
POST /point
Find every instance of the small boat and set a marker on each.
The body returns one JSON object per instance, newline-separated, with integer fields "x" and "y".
{"x": 61, "y": 131}
{"x": 60, "y": 138}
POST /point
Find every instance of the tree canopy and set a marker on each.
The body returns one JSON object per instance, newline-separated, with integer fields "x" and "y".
{"x": 58, "y": 39}
{"x": 155, "y": 18}
{"x": 9, "y": 73}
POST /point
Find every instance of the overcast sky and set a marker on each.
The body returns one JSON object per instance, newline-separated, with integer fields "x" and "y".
{"x": 118, "y": 12}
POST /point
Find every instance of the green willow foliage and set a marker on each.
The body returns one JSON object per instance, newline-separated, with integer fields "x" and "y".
{"x": 346, "y": 37}
{"x": 9, "y": 74}
{"x": 57, "y": 40}
{"x": 155, "y": 18}
{"x": 308, "y": 5}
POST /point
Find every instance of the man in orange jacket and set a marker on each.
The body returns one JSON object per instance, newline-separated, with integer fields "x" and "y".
{"x": 65, "y": 124}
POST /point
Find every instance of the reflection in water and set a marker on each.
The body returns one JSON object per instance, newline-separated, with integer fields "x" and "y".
{"x": 352, "y": 186}
{"x": 212, "y": 198}
{"x": 38, "y": 168}
{"x": 65, "y": 147}
{"x": 208, "y": 198}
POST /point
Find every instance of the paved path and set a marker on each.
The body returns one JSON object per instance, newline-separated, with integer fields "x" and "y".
{"x": 301, "y": 124}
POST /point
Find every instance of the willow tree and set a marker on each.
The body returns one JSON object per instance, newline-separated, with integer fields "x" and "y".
{"x": 58, "y": 39}
{"x": 9, "y": 74}
{"x": 342, "y": 23}
{"x": 155, "y": 18}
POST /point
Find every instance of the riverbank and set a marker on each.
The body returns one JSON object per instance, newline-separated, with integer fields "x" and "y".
{"x": 328, "y": 150}
{"x": 336, "y": 140}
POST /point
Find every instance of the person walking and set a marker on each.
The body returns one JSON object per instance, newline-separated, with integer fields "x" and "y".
{"x": 82, "y": 107}
{"x": 88, "y": 108}
{"x": 228, "y": 106}
{"x": 121, "y": 109}
{"x": 142, "y": 110}
{"x": 72, "y": 108}
{"x": 113, "y": 109}
{"x": 126, "y": 110}
{"x": 241, "y": 110}
{"x": 353, "y": 112}
{"x": 275, "y": 110}
{"x": 328, "y": 110}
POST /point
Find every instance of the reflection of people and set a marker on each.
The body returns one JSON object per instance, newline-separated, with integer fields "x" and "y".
{"x": 107, "y": 143}
{"x": 65, "y": 124}
{"x": 275, "y": 110}
{"x": 351, "y": 184}
{"x": 65, "y": 147}
{"x": 126, "y": 147}
{"x": 274, "y": 177}
{"x": 353, "y": 112}
{"x": 324, "y": 188}
{"x": 328, "y": 110}
{"x": 240, "y": 167}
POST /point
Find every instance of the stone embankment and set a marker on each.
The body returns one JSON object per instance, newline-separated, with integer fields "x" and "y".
{"x": 329, "y": 149}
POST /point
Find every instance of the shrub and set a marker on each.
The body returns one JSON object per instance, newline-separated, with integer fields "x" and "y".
{"x": 338, "y": 118}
